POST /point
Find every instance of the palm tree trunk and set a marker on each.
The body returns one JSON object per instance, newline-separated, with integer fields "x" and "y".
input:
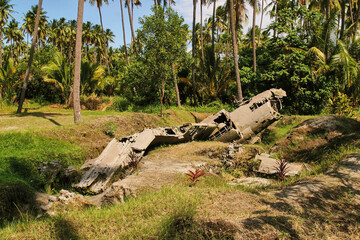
{"x": 104, "y": 41}
{"x": 235, "y": 50}
{"x": 253, "y": 35}
{"x": 176, "y": 85}
{"x": 213, "y": 26}
{"x": 193, "y": 41}
{"x": 123, "y": 27}
{"x": 261, "y": 20}
{"x": 201, "y": 31}
{"x": 356, "y": 21}
{"x": 1, "y": 39}
{"x": 27, "y": 73}
{"x": 131, "y": 21}
{"x": 78, "y": 46}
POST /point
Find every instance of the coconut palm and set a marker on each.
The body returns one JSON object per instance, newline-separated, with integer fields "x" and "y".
{"x": 6, "y": 80}
{"x": 13, "y": 34}
{"x": 77, "y": 72}
{"x": 29, "y": 24}
{"x": 27, "y": 73}
{"x": 60, "y": 73}
{"x": 131, "y": 20}
{"x": 123, "y": 28}
{"x": 5, "y": 14}
{"x": 235, "y": 49}
{"x": 91, "y": 74}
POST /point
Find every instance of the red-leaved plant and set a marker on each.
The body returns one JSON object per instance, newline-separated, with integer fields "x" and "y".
{"x": 281, "y": 169}
{"x": 194, "y": 176}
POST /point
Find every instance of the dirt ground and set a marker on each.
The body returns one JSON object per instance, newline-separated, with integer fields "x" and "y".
{"x": 325, "y": 206}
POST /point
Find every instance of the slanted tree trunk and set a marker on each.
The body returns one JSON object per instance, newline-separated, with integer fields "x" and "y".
{"x": 27, "y": 73}
{"x": 261, "y": 20}
{"x": 78, "y": 46}
{"x": 131, "y": 21}
{"x": 1, "y": 39}
{"x": 213, "y": 26}
{"x": 201, "y": 31}
{"x": 253, "y": 34}
{"x": 235, "y": 50}
{"x": 104, "y": 40}
{"x": 176, "y": 85}
{"x": 123, "y": 27}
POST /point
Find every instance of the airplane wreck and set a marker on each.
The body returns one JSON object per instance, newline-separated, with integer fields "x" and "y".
{"x": 243, "y": 123}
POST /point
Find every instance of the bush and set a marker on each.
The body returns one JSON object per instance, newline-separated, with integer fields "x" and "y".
{"x": 341, "y": 105}
{"x": 120, "y": 104}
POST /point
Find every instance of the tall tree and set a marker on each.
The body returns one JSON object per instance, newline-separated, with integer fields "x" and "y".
{"x": 254, "y": 4}
{"x": 13, "y": 34}
{"x": 131, "y": 21}
{"x": 193, "y": 40}
{"x": 202, "y": 2}
{"x": 123, "y": 27}
{"x": 77, "y": 72}
{"x": 27, "y": 73}
{"x": 5, "y": 13}
{"x": 99, "y": 4}
{"x": 235, "y": 50}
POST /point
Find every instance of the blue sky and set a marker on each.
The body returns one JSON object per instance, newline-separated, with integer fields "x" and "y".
{"x": 111, "y": 13}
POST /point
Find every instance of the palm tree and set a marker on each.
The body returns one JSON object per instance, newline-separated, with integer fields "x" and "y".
{"x": 235, "y": 49}
{"x": 5, "y": 13}
{"x": 91, "y": 74}
{"x": 131, "y": 20}
{"x": 99, "y": 5}
{"x": 77, "y": 72}
{"x": 6, "y": 71}
{"x": 60, "y": 73}
{"x": 13, "y": 34}
{"x": 27, "y": 73}
{"x": 202, "y": 2}
{"x": 87, "y": 37}
{"x": 254, "y": 5}
{"x": 193, "y": 39}
{"x": 29, "y": 24}
{"x": 123, "y": 27}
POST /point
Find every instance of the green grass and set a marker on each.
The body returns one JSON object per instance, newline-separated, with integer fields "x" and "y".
{"x": 169, "y": 213}
{"x": 20, "y": 156}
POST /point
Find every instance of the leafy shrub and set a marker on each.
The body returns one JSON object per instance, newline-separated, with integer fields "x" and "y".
{"x": 341, "y": 105}
{"x": 120, "y": 104}
{"x": 110, "y": 129}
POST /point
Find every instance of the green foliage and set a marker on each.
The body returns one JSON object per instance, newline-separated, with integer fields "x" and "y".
{"x": 110, "y": 129}
{"x": 120, "y": 104}
{"x": 341, "y": 105}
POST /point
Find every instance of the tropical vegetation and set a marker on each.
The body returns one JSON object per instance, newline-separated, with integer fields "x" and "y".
{"x": 310, "y": 49}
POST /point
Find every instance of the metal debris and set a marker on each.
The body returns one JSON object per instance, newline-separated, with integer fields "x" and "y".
{"x": 251, "y": 117}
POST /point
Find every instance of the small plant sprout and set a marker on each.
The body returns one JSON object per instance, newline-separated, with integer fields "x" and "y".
{"x": 281, "y": 169}
{"x": 194, "y": 176}
{"x": 134, "y": 160}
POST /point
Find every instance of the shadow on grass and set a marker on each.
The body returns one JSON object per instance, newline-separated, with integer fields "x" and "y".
{"x": 64, "y": 229}
{"x": 44, "y": 115}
